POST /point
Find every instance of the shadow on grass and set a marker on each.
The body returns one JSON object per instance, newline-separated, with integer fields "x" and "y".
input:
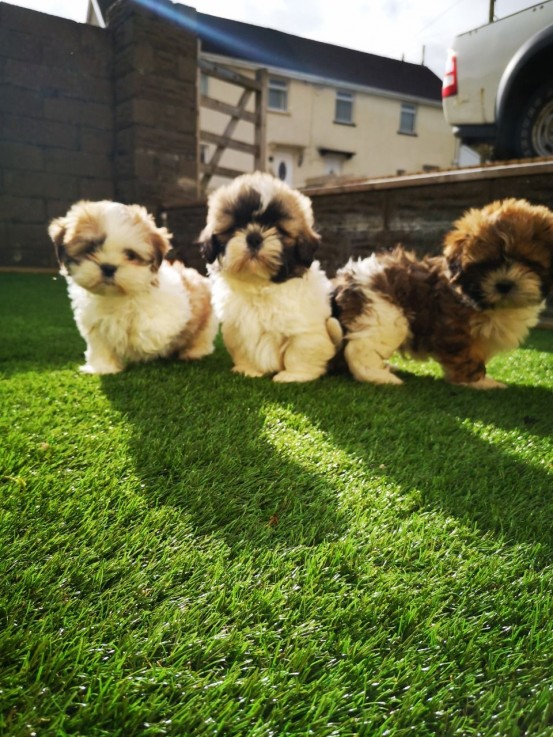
{"x": 204, "y": 451}
{"x": 455, "y": 448}
{"x": 207, "y": 453}
{"x": 40, "y": 334}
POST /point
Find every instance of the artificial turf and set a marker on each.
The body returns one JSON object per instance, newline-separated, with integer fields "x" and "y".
{"x": 184, "y": 551}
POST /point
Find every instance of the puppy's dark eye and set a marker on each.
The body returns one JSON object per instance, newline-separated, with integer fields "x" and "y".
{"x": 132, "y": 255}
{"x": 93, "y": 245}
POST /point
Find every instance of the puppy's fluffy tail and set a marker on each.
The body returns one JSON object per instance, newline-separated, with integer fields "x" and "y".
{"x": 334, "y": 330}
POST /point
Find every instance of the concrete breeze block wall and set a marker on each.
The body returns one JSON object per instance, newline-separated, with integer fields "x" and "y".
{"x": 92, "y": 113}
{"x": 56, "y": 126}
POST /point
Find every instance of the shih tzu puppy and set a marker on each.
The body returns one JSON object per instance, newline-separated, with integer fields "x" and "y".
{"x": 129, "y": 304}
{"x": 479, "y": 298}
{"x": 272, "y": 298}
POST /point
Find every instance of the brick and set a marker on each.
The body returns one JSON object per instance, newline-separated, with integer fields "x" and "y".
{"x": 164, "y": 140}
{"x": 20, "y": 101}
{"x": 92, "y": 140}
{"x": 125, "y": 191}
{"x": 145, "y": 165}
{"x": 133, "y": 58}
{"x": 22, "y": 46}
{"x": 165, "y": 62}
{"x": 37, "y": 184}
{"x": 62, "y": 80}
{"x": 96, "y": 189}
{"x": 79, "y": 112}
{"x": 38, "y": 24}
{"x": 123, "y": 61}
{"x": 89, "y": 53}
{"x": 40, "y": 76}
{"x": 188, "y": 66}
{"x": 150, "y": 114}
{"x": 21, "y": 156}
{"x": 39, "y": 131}
{"x": 22, "y": 209}
{"x": 78, "y": 163}
{"x": 57, "y": 208}
{"x": 97, "y": 47}
{"x": 155, "y": 88}
{"x": 36, "y": 253}
{"x": 124, "y": 114}
{"x": 29, "y": 245}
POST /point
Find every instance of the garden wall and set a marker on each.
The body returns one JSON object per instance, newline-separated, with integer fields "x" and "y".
{"x": 88, "y": 112}
{"x": 415, "y": 210}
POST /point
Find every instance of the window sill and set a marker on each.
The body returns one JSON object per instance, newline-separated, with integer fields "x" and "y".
{"x": 407, "y": 133}
{"x": 343, "y": 122}
{"x": 278, "y": 111}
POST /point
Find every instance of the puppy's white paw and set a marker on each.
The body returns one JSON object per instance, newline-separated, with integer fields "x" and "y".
{"x": 377, "y": 376}
{"x": 100, "y": 369}
{"x": 246, "y": 371}
{"x": 288, "y": 377}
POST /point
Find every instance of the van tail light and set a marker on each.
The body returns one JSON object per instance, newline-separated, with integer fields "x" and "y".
{"x": 449, "y": 86}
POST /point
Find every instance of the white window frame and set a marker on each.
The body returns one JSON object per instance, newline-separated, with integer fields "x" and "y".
{"x": 408, "y": 110}
{"x": 343, "y": 97}
{"x": 279, "y": 87}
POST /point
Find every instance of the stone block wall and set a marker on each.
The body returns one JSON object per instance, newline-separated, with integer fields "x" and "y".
{"x": 93, "y": 113}
{"x": 56, "y": 127}
{"x": 155, "y": 104}
{"x": 416, "y": 211}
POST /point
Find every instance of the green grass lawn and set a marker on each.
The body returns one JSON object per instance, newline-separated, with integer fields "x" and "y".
{"x": 188, "y": 552}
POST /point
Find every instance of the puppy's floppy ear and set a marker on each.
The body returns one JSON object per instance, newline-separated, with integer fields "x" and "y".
{"x": 545, "y": 231}
{"x": 160, "y": 238}
{"x": 56, "y": 231}
{"x": 305, "y": 248}
{"x": 210, "y": 246}
{"x": 454, "y": 244}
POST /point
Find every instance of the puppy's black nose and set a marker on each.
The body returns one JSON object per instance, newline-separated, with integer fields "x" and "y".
{"x": 254, "y": 240}
{"x": 504, "y": 287}
{"x": 108, "y": 269}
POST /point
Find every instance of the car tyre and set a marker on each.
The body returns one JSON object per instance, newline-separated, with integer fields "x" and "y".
{"x": 534, "y": 133}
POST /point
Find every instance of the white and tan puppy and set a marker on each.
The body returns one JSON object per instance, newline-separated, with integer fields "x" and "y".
{"x": 129, "y": 304}
{"x": 272, "y": 299}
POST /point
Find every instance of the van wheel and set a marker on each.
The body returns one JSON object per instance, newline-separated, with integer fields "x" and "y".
{"x": 534, "y": 135}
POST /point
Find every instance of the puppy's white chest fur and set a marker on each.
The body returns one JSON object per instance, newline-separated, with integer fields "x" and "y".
{"x": 259, "y": 318}
{"x": 135, "y": 327}
{"x": 504, "y": 329}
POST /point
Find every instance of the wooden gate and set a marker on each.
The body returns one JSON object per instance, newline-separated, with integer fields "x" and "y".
{"x": 258, "y": 149}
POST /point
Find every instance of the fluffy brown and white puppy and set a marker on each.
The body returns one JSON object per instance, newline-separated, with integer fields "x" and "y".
{"x": 479, "y": 298}
{"x": 129, "y": 304}
{"x": 271, "y": 297}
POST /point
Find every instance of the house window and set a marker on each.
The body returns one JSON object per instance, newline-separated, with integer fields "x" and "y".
{"x": 343, "y": 112}
{"x": 407, "y": 119}
{"x": 204, "y": 84}
{"x": 278, "y": 94}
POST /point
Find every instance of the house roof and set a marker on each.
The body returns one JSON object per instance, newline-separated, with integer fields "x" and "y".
{"x": 271, "y": 48}
{"x": 276, "y": 49}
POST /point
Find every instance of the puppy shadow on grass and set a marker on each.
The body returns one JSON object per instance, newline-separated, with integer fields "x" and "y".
{"x": 482, "y": 457}
{"x": 198, "y": 443}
